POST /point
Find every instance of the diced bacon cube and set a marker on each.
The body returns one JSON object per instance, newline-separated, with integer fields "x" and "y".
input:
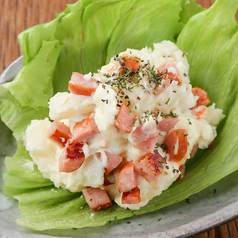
{"x": 79, "y": 85}
{"x": 84, "y": 130}
{"x": 167, "y": 123}
{"x": 130, "y": 63}
{"x": 148, "y": 145}
{"x": 176, "y": 144}
{"x": 96, "y": 198}
{"x": 173, "y": 77}
{"x": 59, "y": 133}
{"x": 203, "y": 98}
{"x": 127, "y": 178}
{"x": 167, "y": 79}
{"x": 113, "y": 161}
{"x": 72, "y": 157}
{"x": 168, "y": 67}
{"x": 151, "y": 166}
{"x": 131, "y": 197}
{"x": 125, "y": 119}
{"x": 145, "y": 137}
{"x": 165, "y": 83}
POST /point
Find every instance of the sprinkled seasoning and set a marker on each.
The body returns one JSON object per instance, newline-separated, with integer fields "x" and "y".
{"x": 105, "y": 100}
{"x": 167, "y": 101}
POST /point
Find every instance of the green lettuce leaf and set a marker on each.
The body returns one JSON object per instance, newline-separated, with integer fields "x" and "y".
{"x": 32, "y": 87}
{"x": 212, "y": 52}
{"x": 144, "y": 24}
{"x": 189, "y": 9}
{"x": 208, "y": 36}
{"x": 16, "y": 116}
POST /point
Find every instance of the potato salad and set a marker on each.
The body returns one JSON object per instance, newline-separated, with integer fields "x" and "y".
{"x": 124, "y": 134}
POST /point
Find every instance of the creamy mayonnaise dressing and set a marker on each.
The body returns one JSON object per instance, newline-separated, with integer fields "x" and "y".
{"x": 70, "y": 108}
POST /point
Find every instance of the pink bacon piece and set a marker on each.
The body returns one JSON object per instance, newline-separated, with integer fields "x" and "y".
{"x": 59, "y": 133}
{"x": 145, "y": 138}
{"x": 151, "y": 166}
{"x": 167, "y": 123}
{"x": 167, "y": 79}
{"x": 72, "y": 157}
{"x": 79, "y": 85}
{"x": 127, "y": 178}
{"x": 113, "y": 161}
{"x": 131, "y": 197}
{"x": 203, "y": 98}
{"x": 129, "y": 62}
{"x": 176, "y": 138}
{"x": 96, "y": 198}
{"x": 168, "y": 67}
{"x": 125, "y": 119}
{"x": 84, "y": 130}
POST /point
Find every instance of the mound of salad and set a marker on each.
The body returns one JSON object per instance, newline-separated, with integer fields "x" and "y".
{"x": 125, "y": 132}
{"x": 117, "y": 138}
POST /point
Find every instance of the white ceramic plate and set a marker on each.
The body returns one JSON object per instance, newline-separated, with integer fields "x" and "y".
{"x": 204, "y": 210}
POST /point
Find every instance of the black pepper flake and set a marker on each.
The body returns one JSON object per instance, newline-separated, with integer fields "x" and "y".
{"x": 126, "y": 97}
{"x": 184, "y": 54}
{"x": 128, "y": 222}
{"x": 128, "y": 104}
{"x": 103, "y": 86}
{"x": 105, "y": 100}
{"x": 175, "y": 171}
{"x": 138, "y": 98}
{"x": 185, "y": 75}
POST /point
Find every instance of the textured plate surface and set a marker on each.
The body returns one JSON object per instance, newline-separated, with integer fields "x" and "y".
{"x": 212, "y": 206}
